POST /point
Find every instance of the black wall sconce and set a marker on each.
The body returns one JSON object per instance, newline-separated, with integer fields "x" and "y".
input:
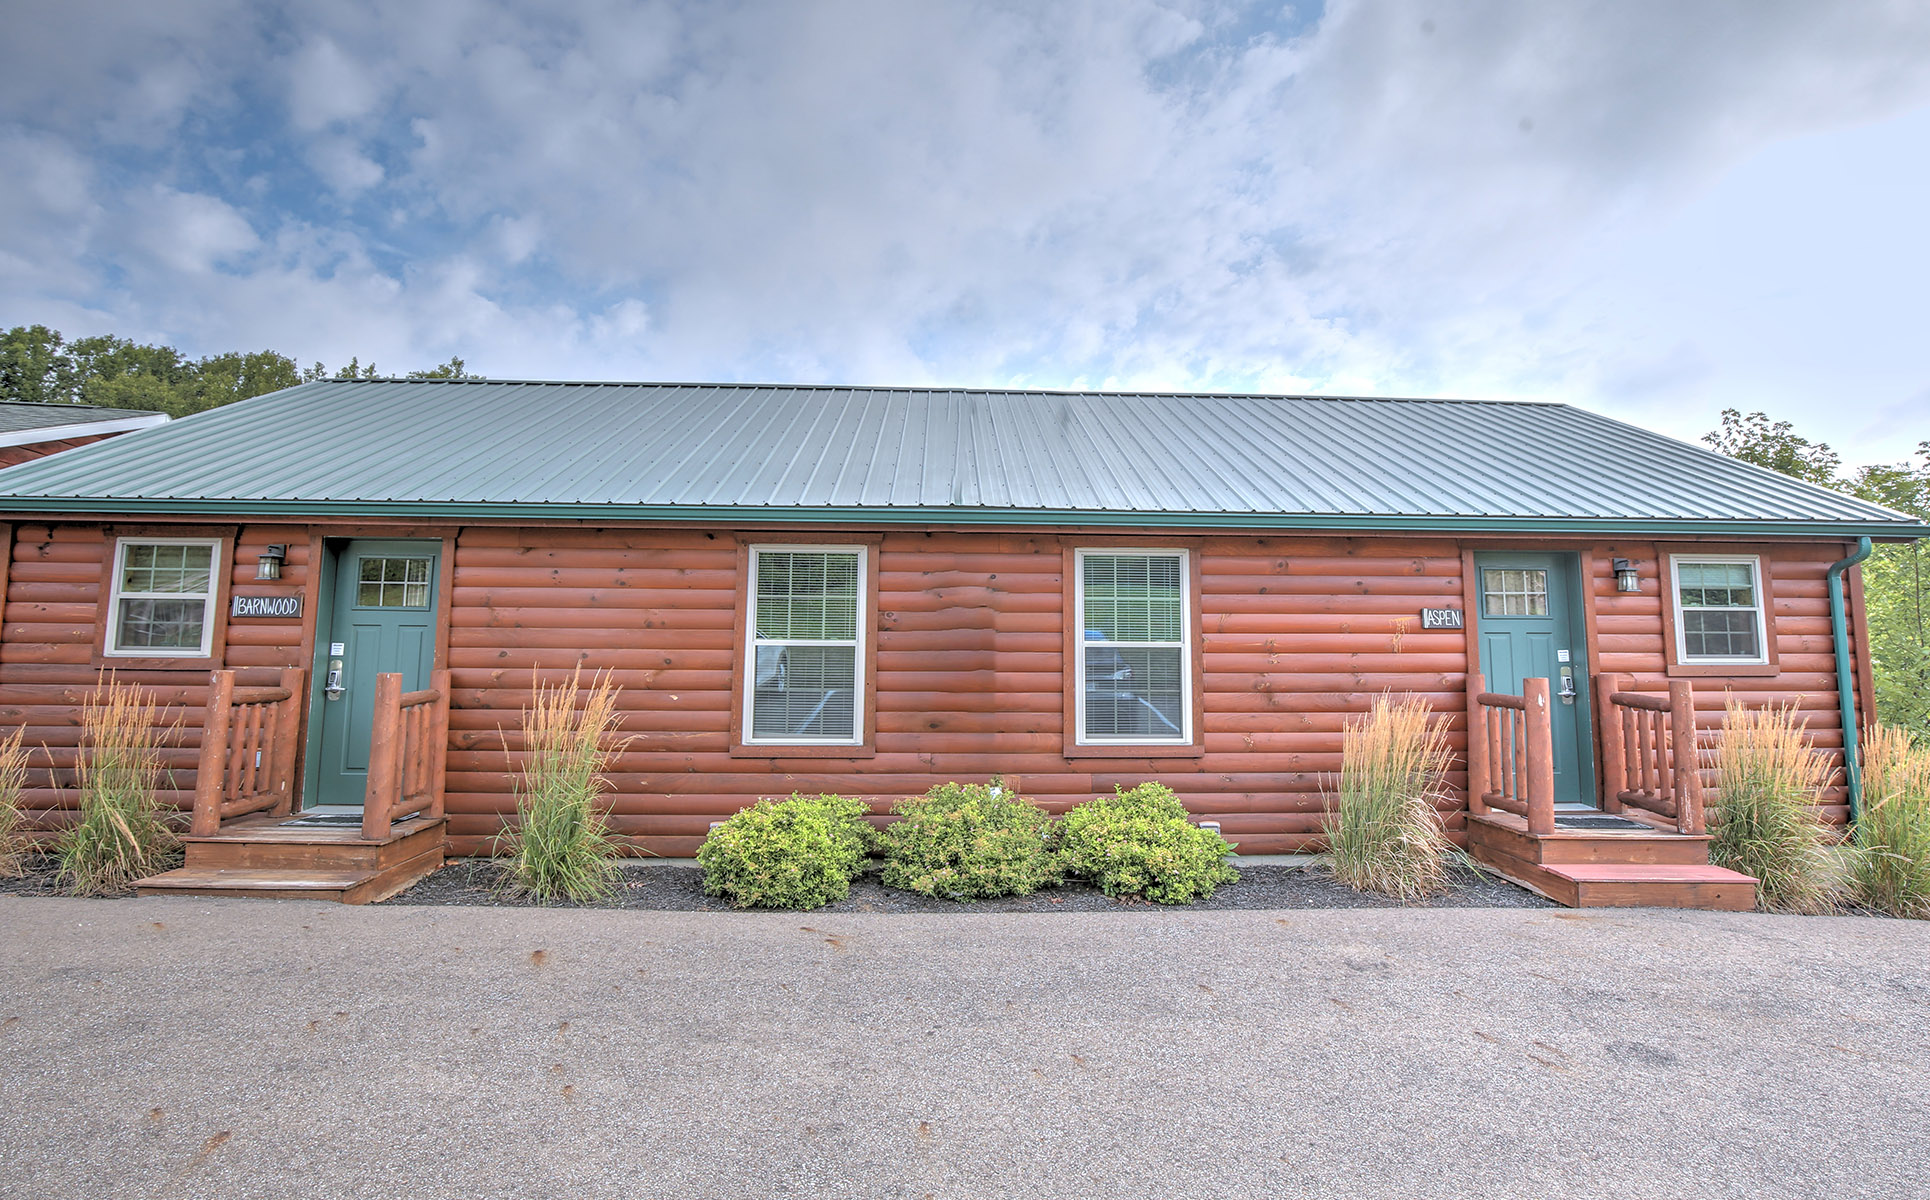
{"x": 1626, "y": 580}
{"x": 268, "y": 566}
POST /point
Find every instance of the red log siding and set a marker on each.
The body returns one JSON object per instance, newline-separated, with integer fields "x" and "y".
{"x": 52, "y": 616}
{"x": 14, "y": 455}
{"x": 1297, "y": 632}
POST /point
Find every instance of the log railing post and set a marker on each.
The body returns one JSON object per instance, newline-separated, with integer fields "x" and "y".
{"x": 385, "y": 757}
{"x": 1541, "y": 758}
{"x": 1614, "y": 760}
{"x": 288, "y": 731}
{"x": 1477, "y": 745}
{"x": 211, "y": 771}
{"x": 438, "y": 742}
{"x": 1687, "y": 758}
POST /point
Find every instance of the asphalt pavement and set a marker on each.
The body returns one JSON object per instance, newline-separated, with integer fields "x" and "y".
{"x": 233, "y": 1048}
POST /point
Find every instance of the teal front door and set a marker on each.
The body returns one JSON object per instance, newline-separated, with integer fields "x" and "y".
{"x": 1530, "y": 630}
{"x": 381, "y": 618}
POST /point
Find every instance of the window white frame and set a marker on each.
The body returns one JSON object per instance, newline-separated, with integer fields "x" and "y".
{"x": 1760, "y": 609}
{"x": 861, "y": 701}
{"x": 1080, "y": 644}
{"x": 110, "y": 641}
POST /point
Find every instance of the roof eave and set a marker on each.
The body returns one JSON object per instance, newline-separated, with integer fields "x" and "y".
{"x": 929, "y": 515}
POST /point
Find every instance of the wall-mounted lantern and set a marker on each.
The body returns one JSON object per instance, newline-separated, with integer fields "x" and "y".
{"x": 1626, "y": 580}
{"x": 268, "y": 566}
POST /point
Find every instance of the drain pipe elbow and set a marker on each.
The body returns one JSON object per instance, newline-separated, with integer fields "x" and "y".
{"x": 1845, "y": 688}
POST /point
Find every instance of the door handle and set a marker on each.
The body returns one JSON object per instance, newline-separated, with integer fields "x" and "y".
{"x": 333, "y": 687}
{"x": 1567, "y": 692}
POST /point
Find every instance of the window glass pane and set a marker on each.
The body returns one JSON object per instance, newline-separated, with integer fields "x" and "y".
{"x": 805, "y": 691}
{"x": 392, "y": 583}
{"x": 172, "y": 570}
{"x": 160, "y": 625}
{"x": 1134, "y": 598}
{"x": 807, "y": 595}
{"x": 1135, "y": 691}
{"x": 1507, "y": 592}
{"x": 1717, "y": 585}
{"x": 1720, "y": 633}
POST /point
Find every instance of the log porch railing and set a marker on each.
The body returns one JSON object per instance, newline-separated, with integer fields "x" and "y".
{"x": 248, "y": 745}
{"x": 1511, "y": 761}
{"x": 407, "y": 751}
{"x": 1650, "y": 756}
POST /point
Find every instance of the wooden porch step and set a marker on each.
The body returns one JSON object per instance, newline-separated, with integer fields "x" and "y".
{"x": 1506, "y": 835}
{"x": 346, "y": 885}
{"x": 1620, "y": 885}
{"x": 272, "y": 843}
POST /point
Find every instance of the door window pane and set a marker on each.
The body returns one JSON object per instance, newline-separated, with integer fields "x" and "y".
{"x": 1514, "y": 592}
{"x": 393, "y": 583}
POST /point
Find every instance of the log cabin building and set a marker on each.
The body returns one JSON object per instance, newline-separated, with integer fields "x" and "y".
{"x": 347, "y": 589}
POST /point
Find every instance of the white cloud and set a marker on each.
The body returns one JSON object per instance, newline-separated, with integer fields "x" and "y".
{"x": 1494, "y": 199}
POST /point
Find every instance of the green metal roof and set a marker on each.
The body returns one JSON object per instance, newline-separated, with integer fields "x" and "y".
{"x": 498, "y": 449}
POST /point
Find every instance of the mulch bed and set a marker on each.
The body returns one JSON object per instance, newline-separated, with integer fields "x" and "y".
{"x": 680, "y": 889}
{"x": 40, "y": 880}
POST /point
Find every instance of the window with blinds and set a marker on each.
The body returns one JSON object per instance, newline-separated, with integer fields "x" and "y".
{"x": 807, "y": 645}
{"x": 1719, "y": 610}
{"x": 1133, "y": 668}
{"x": 163, "y": 592}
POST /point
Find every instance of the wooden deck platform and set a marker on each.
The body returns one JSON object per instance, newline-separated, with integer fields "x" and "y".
{"x": 268, "y": 857}
{"x": 1601, "y": 868}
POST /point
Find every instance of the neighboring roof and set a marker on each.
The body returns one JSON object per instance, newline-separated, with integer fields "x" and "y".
{"x": 22, "y": 423}
{"x": 482, "y": 449}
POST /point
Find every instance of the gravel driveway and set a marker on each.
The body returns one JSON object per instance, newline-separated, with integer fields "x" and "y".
{"x": 204, "y": 1048}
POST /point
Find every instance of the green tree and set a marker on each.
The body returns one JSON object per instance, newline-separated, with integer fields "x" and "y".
{"x": 1894, "y": 595}
{"x": 39, "y": 366}
{"x": 1754, "y": 440}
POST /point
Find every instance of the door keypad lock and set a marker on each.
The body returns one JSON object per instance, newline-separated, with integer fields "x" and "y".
{"x": 332, "y": 687}
{"x": 1567, "y": 692}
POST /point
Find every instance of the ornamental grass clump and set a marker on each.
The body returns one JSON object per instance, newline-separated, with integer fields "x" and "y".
{"x": 969, "y": 841}
{"x": 1764, "y": 822}
{"x": 798, "y": 853}
{"x": 561, "y": 847}
{"x": 13, "y": 784}
{"x": 1141, "y": 843}
{"x": 1385, "y": 832}
{"x": 121, "y": 834}
{"x": 1890, "y": 869}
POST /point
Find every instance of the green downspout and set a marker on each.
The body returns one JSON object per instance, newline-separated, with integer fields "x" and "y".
{"x": 1845, "y": 688}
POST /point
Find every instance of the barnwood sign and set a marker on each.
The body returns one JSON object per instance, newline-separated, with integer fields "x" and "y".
{"x": 267, "y": 606}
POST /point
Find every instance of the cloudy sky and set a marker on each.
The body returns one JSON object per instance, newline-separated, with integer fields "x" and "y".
{"x": 1654, "y": 209}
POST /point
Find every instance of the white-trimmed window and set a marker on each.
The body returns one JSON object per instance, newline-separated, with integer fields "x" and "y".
{"x": 1719, "y": 609}
{"x": 1134, "y": 670}
{"x": 163, "y": 598}
{"x": 807, "y": 646}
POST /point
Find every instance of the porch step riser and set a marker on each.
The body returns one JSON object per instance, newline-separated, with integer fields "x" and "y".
{"x": 237, "y": 854}
{"x": 287, "y": 884}
{"x": 1659, "y": 850}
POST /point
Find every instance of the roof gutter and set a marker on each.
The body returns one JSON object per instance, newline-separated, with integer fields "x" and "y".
{"x": 1845, "y": 690}
{"x": 886, "y": 515}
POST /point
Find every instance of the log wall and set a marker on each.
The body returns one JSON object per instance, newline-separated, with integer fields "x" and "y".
{"x": 1297, "y": 633}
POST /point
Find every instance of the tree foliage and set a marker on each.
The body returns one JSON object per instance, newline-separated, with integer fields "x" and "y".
{"x": 1894, "y": 583}
{"x": 38, "y": 365}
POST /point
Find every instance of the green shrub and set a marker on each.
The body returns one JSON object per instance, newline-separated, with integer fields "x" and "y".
{"x": 1141, "y": 843}
{"x": 561, "y": 848}
{"x": 1764, "y": 823}
{"x": 121, "y": 835}
{"x": 1385, "y": 833}
{"x": 13, "y": 781}
{"x": 969, "y": 841}
{"x": 798, "y": 853}
{"x": 1891, "y": 867}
